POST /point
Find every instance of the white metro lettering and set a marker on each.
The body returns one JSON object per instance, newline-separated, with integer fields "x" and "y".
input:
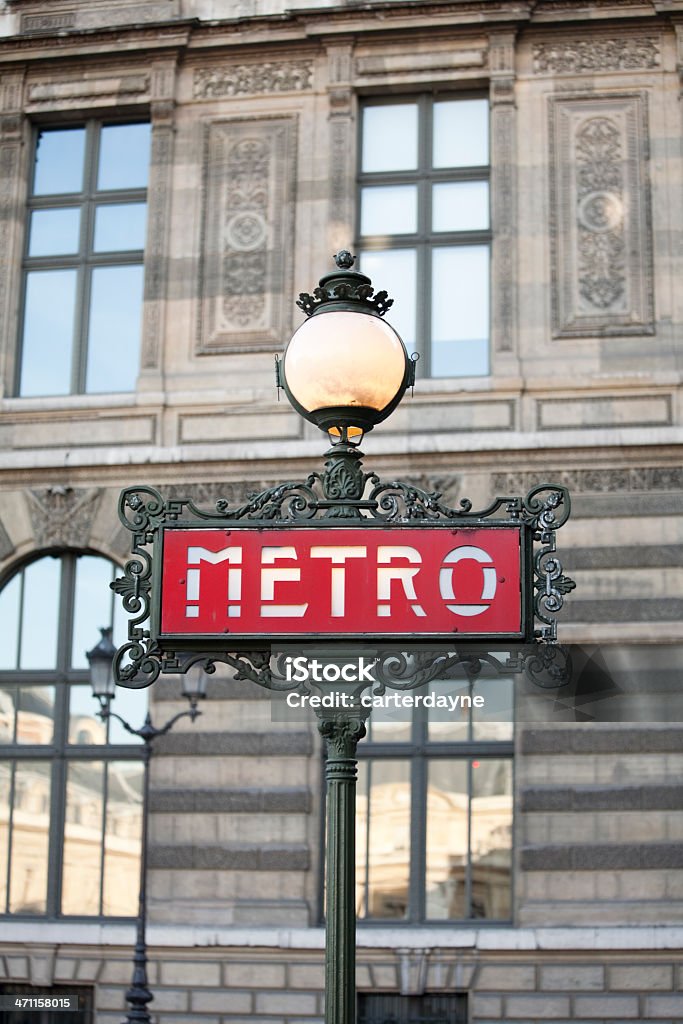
{"x": 337, "y": 557}
{"x": 231, "y": 555}
{"x": 404, "y": 574}
{"x": 279, "y": 574}
{"x": 446, "y": 579}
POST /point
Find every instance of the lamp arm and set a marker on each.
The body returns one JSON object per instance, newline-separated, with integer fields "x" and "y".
{"x": 149, "y": 732}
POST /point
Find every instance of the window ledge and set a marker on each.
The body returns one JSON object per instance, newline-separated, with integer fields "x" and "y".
{"x": 640, "y": 937}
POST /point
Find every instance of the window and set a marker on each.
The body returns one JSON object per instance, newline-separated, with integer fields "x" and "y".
{"x": 83, "y": 266}
{"x": 70, "y": 785}
{"x": 434, "y": 809}
{"x": 391, "y": 1008}
{"x": 424, "y": 226}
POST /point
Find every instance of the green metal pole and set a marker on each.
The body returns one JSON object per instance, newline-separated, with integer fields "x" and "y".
{"x": 341, "y": 734}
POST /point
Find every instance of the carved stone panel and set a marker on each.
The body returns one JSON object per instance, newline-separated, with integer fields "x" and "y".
{"x": 247, "y": 234}
{"x": 601, "y": 234}
{"x": 62, "y": 516}
{"x": 596, "y": 55}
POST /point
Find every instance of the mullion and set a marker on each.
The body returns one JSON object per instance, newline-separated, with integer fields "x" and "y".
{"x": 82, "y": 326}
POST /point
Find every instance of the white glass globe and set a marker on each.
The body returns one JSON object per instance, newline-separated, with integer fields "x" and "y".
{"x": 345, "y": 359}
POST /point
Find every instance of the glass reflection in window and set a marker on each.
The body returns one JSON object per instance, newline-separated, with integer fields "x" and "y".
{"x": 447, "y": 840}
{"x": 491, "y": 840}
{"x": 383, "y": 845}
{"x": 30, "y": 837}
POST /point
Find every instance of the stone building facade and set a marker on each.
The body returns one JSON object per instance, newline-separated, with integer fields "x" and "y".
{"x": 254, "y": 110}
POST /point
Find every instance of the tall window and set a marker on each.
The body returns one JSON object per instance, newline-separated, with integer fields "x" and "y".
{"x": 70, "y": 785}
{"x": 424, "y": 225}
{"x": 83, "y": 268}
{"x": 434, "y": 809}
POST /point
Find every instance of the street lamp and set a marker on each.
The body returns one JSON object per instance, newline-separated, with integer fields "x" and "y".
{"x": 102, "y": 681}
{"x": 345, "y": 370}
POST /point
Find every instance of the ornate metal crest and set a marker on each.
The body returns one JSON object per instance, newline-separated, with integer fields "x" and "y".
{"x": 342, "y": 494}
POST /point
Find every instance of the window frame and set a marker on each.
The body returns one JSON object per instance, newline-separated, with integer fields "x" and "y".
{"x": 59, "y": 753}
{"x": 86, "y": 259}
{"x": 425, "y": 240}
{"x": 417, "y": 752}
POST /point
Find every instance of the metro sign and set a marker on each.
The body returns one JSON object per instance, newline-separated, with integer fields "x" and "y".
{"x": 342, "y": 582}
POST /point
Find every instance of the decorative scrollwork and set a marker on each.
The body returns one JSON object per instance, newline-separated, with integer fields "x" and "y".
{"x": 401, "y": 502}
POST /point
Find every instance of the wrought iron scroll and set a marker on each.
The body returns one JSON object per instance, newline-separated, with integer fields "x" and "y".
{"x": 342, "y": 491}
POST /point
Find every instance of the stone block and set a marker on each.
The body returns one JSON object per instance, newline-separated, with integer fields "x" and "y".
{"x": 506, "y": 978}
{"x": 194, "y": 973}
{"x": 116, "y": 972}
{"x": 538, "y": 1007}
{"x": 111, "y": 998}
{"x": 222, "y": 1001}
{"x": 363, "y": 979}
{"x": 486, "y": 1006}
{"x": 606, "y": 1007}
{"x": 384, "y": 976}
{"x": 641, "y": 977}
{"x": 17, "y": 967}
{"x": 572, "y": 977}
{"x": 664, "y": 1006}
{"x": 175, "y": 1000}
{"x": 254, "y": 975}
{"x": 88, "y": 970}
{"x": 288, "y": 1003}
{"x": 65, "y": 968}
{"x": 307, "y": 976}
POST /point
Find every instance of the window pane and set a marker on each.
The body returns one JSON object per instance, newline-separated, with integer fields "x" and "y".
{"x": 386, "y": 846}
{"x": 460, "y": 311}
{"x": 41, "y": 614}
{"x": 114, "y": 332}
{"x": 494, "y": 720}
{"x": 54, "y": 232}
{"x": 390, "y": 725}
{"x": 132, "y": 706}
{"x": 83, "y": 821}
{"x": 124, "y": 156}
{"x": 9, "y": 623}
{"x": 8, "y": 697}
{"x": 491, "y": 838}
{"x": 444, "y": 725}
{"x": 395, "y": 271}
{"x": 92, "y": 605}
{"x": 120, "y": 227}
{"x": 59, "y": 161}
{"x": 84, "y": 725}
{"x": 461, "y": 133}
{"x": 390, "y": 137}
{"x": 35, "y": 714}
{"x": 30, "y": 838}
{"x": 5, "y": 793}
{"x": 447, "y": 810}
{"x": 122, "y": 838}
{"x": 388, "y": 210}
{"x": 460, "y": 206}
{"x": 48, "y": 332}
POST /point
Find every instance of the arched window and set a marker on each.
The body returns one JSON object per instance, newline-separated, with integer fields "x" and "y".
{"x": 70, "y": 785}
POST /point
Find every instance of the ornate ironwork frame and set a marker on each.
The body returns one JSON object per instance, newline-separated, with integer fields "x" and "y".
{"x": 342, "y": 495}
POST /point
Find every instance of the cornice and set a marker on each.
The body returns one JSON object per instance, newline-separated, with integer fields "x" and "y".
{"x": 101, "y": 42}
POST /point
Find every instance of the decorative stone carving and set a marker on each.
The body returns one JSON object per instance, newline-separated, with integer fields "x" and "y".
{"x": 243, "y": 79}
{"x": 603, "y": 480}
{"x": 248, "y": 230}
{"x": 77, "y": 89}
{"x": 503, "y": 190}
{"x": 577, "y": 56}
{"x": 600, "y": 217}
{"x": 62, "y": 517}
{"x": 6, "y": 545}
{"x": 11, "y": 208}
{"x": 162, "y": 86}
{"x": 342, "y": 155}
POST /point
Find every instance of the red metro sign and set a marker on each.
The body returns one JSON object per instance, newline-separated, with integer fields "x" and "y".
{"x": 342, "y": 582}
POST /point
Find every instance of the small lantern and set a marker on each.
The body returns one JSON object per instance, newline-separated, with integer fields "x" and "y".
{"x": 100, "y": 659}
